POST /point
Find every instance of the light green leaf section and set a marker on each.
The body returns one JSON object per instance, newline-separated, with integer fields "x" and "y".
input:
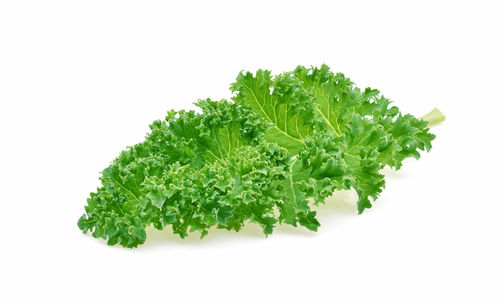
{"x": 281, "y": 103}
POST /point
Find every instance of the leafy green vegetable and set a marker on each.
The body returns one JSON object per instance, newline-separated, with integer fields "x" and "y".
{"x": 285, "y": 142}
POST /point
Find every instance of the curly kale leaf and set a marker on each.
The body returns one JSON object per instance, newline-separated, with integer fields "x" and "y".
{"x": 286, "y": 141}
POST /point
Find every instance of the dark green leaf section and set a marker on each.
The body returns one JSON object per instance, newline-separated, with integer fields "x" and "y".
{"x": 193, "y": 171}
{"x": 286, "y": 142}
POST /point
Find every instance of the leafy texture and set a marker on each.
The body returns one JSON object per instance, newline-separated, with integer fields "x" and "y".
{"x": 315, "y": 100}
{"x": 285, "y": 142}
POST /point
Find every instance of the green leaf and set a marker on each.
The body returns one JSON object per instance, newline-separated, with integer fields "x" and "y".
{"x": 309, "y": 221}
{"x": 157, "y": 197}
{"x": 287, "y": 141}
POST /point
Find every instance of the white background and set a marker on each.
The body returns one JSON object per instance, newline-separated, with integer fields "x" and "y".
{"x": 81, "y": 80}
